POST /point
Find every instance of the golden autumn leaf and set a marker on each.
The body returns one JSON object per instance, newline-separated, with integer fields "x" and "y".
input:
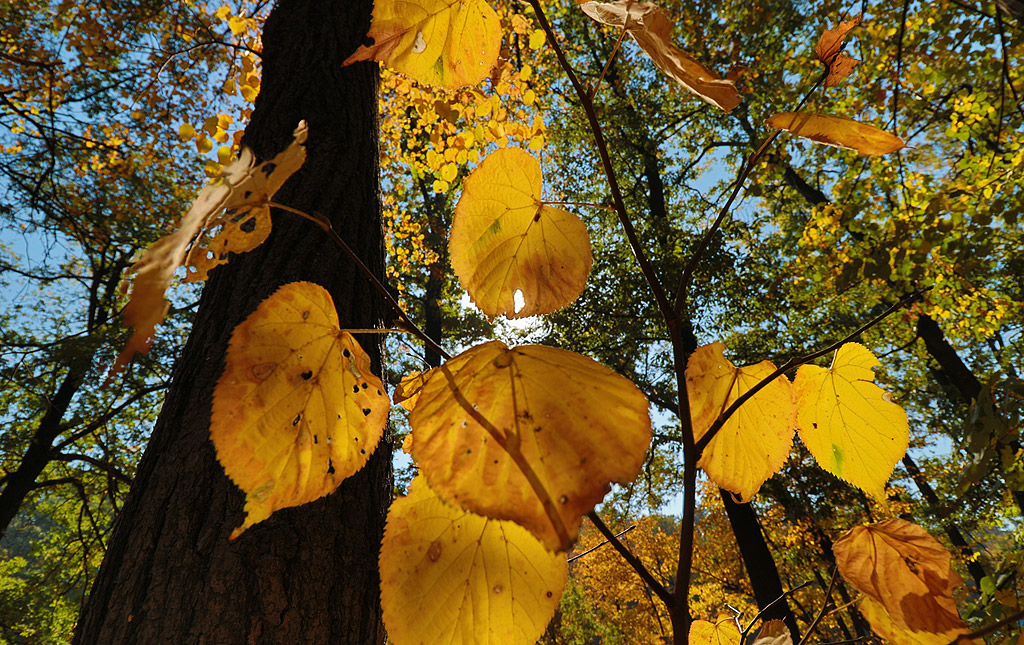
{"x": 450, "y": 576}
{"x": 240, "y": 186}
{"x": 408, "y": 390}
{"x": 883, "y": 625}
{"x": 755, "y": 441}
{"x": 237, "y": 231}
{"x": 837, "y": 131}
{"x": 297, "y": 409}
{"x": 447, "y": 43}
{"x": 652, "y": 30}
{"x": 504, "y": 239}
{"x": 847, "y": 422}
{"x": 773, "y": 632}
{"x": 724, "y": 631}
{"x": 530, "y": 434}
{"x": 907, "y": 571}
{"x": 828, "y": 51}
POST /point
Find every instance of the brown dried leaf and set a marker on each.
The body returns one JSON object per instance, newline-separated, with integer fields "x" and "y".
{"x": 837, "y": 131}
{"x": 831, "y": 41}
{"x": 652, "y": 30}
{"x": 902, "y": 567}
{"x": 840, "y": 68}
{"x": 241, "y": 186}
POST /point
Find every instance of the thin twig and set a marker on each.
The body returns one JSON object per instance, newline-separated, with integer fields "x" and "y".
{"x": 769, "y": 605}
{"x": 985, "y": 631}
{"x": 593, "y": 90}
{"x": 795, "y": 362}
{"x": 745, "y": 170}
{"x": 633, "y": 561}
{"x": 595, "y": 548}
{"x": 824, "y": 606}
{"x": 325, "y": 224}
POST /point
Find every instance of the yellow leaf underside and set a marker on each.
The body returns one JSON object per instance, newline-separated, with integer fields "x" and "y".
{"x": 449, "y": 576}
{"x": 445, "y": 43}
{"x": 755, "y": 441}
{"x": 531, "y": 434}
{"x": 848, "y": 423}
{"x": 297, "y": 409}
{"x": 504, "y": 240}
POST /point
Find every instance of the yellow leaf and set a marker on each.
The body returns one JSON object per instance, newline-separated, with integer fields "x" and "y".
{"x": 408, "y": 390}
{"x": 531, "y": 434}
{"x": 537, "y": 39}
{"x": 237, "y": 231}
{"x": 504, "y": 239}
{"x": 883, "y": 625}
{"x": 903, "y": 568}
{"x": 237, "y": 25}
{"x": 448, "y": 43}
{"x": 773, "y": 632}
{"x": 847, "y": 422}
{"x": 837, "y": 131}
{"x": 755, "y": 441}
{"x": 651, "y": 29}
{"x": 297, "y": 409}
{"x": 186, "y": 132}
{"x": 724, "y": 631}
{"x": 242, "y": 184}
{"x": 449, "y": 576}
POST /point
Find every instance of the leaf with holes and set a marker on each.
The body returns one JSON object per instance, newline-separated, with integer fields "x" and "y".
{"x": 754, "y": 443}
{"x": 847, "y": 422}
{"x": 652, "y": 30}
{"x": 447, "y": 43}
{"x": 504, "y": 239}
{"x": 242, "y": 185}
{"x": 724, "y": 631}
{"x": 837, "y": 131}
{"x": 297, "y": 409}
{"x": 237, "y": 231}
{"x": 530, "y": 434}
{"x": 448, "y": 575}
{"x": 907, "y": 571}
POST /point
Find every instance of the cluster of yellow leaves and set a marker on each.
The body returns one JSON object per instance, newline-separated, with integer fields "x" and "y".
{"x": 847, "y": 422}
{"x": 243, "y": 190}
{"x": 908, "y": 581}
{"x": 616, "y": 590}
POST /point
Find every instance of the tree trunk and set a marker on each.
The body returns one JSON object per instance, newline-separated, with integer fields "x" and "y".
{"x": 760, "y": 565}
{"x": 308, "y": 574}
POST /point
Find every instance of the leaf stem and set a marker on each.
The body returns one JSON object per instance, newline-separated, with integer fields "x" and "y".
{"x": 593, "y": 90}
{"x": 824, "y": 606}
{"x": 769, "y": 605}
{"x": 598, "y": 546}
{"x": 328, "y": 228}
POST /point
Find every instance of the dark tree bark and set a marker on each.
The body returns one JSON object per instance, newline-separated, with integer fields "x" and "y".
{"x": 759, "y": 563}
{"x": 308, "y": 574}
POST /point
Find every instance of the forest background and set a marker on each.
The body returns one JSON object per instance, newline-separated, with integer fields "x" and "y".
{"x": 114, "y": 114}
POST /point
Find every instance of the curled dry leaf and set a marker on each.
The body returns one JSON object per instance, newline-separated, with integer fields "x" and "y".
{"x": 408, "y": 390}
{"x": 530, "y": 434}
{"x": 847, "y": 422}
{"x": 755, "y": 441}
{"x": 450, "y": 576}
{"x": 773, "y": 632}
{"x": 828, "y": 50}
{"x": 447, "y": 43}
{"x": 652, "y": 30}
{"x": 241, "y": 187}
{"x": 504, "y": 239}
{"x": 297, "y": 409}
{"x": 906, "y": 571}
{"x": 837, "y": 131}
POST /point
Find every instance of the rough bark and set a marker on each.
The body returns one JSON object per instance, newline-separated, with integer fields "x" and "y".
{"x": 308, "y": 574}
